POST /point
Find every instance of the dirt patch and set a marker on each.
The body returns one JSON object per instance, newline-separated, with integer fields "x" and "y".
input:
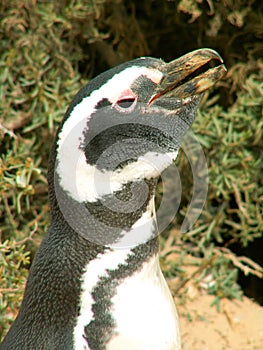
{"x": 238, "y": 325}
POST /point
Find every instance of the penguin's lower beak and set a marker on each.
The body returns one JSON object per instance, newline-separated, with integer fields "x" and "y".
{"x": 190, "y": 74}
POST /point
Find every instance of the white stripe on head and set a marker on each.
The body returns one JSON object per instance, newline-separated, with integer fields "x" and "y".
{"x": 111, "y": 90}
{"x": 75, "y": 175}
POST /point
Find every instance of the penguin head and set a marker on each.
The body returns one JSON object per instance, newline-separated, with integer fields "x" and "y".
{"x": 126, "y": 125}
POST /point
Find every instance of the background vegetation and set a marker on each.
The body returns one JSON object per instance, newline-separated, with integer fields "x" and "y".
{"x": 49, "y": 49}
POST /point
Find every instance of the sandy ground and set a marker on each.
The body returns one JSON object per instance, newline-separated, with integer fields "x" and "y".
{"x": 238, "y": 325}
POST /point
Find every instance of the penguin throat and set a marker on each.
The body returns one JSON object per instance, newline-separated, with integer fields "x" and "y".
{"x": 88, "y": 183}
{"x": 110, "y": 208}
{"x": 125, "y": 218}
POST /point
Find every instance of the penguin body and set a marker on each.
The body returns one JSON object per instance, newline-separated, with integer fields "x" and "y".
{"x": 95, "y": 282}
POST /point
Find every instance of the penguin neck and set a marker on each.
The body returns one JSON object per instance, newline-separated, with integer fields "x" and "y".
{"x": 121, "y": 218}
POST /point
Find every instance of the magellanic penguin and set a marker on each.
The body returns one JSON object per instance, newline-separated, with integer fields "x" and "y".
{"x": 95, "y": 282}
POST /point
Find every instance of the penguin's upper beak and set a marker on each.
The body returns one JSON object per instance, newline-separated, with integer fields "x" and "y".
{"x": 190, "y": 74}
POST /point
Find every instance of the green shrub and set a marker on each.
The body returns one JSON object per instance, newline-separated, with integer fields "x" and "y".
{"x": 50, "y": 49}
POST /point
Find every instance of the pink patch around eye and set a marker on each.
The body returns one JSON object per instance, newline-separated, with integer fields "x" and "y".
{"x": 155, "y": 76}
{"x": 125, "y": 100}
{"x": 126, "y": 95}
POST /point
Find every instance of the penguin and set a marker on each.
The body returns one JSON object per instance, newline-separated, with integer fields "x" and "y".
{"x": 95, "y": 282}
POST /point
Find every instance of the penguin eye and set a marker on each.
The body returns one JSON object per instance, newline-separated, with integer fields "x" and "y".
{"x": 126, "y": 103}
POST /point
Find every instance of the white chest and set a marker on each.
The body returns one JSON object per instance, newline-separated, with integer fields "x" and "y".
{"x": 142, "y": 307}
{"x": 145, "y": 313}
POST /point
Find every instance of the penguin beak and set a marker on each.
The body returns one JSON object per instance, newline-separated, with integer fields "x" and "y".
{"x": 190, "y": 75}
